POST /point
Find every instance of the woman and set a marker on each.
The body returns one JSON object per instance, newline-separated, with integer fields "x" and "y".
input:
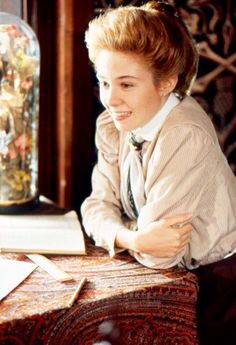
{"x": 146, "y": 60}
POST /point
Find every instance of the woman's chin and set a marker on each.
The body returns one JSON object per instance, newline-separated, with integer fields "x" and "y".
{"x": 122, "y": 126}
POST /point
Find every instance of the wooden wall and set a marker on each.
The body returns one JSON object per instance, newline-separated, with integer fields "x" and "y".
{"x": 65, "y": 138}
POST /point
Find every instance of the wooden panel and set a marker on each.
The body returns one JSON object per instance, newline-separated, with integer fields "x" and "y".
{"x": 73, "y": 103}
{"x": 41, "y": 16}
{"x": 84, "y": 121}
{"x": 64, "y": 98}
{"x": 65, "y": 120}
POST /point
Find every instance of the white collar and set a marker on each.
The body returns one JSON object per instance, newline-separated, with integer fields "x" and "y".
{"x": 149, "y": 130}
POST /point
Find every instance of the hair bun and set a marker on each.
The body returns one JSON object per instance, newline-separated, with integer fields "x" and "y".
{"x": 162, "y": 6}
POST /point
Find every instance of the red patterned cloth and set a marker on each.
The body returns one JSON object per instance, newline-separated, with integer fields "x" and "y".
{"x": 146, "y": 306}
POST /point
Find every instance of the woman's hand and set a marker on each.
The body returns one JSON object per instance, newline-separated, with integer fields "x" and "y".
{"x": 164, "y": 238}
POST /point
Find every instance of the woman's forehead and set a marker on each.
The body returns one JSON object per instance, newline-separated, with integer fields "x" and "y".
{"x": 120, "y": 64}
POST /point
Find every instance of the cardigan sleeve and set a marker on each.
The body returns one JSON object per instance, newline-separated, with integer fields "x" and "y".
{"x": 102, "y": 211}
{"x": 180, "y": 179}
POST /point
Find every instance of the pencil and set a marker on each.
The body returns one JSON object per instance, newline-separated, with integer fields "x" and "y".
{"x": 77, "y": 291}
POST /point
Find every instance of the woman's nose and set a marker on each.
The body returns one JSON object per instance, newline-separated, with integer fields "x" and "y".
{"x": 112, "y": 97}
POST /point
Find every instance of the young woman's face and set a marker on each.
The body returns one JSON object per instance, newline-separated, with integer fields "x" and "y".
{"x": 127, "y": 89}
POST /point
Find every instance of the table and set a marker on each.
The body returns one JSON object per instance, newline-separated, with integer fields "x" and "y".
{"x": 142, "y": 306}
{"x": 146, "y": 306}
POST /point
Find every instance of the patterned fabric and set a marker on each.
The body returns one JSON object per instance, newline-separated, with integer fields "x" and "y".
{"x": 147, "y": 306}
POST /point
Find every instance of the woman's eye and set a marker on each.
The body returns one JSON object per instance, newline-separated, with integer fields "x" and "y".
{"x": 103, "y": 84}
{"x": 126, "y": 85}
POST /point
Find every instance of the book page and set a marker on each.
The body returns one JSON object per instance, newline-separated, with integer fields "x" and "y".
{"x": 48, "y": 234}
{"x": 12, "y": 273}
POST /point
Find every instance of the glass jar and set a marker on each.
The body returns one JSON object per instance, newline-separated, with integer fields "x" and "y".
{"x": 19, "y": 108}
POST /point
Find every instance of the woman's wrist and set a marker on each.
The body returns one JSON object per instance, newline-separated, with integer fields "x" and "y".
{"x": 126, "y": 239}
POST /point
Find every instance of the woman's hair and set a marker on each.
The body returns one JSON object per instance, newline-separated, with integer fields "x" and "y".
{"x": 156, "y": 32}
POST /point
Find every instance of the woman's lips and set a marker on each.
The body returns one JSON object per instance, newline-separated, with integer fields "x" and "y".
{"x": 121, "y": 115}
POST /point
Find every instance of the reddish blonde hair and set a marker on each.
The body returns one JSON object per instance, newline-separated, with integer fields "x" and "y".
{"x": 155, "y": 32}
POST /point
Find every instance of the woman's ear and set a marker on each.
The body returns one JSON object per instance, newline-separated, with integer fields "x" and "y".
{"x": 168, "y": 85}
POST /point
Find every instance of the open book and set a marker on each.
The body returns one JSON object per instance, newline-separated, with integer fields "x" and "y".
{"x": 45, "y": 234}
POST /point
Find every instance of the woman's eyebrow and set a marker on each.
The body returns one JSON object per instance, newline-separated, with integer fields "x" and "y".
{"x": 128, "y": 76}
{"x": 120, "y": 77}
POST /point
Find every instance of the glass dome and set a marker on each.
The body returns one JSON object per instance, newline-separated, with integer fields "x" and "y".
{"x": 19, "y": 109}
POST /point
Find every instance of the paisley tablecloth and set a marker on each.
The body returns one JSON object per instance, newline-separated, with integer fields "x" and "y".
{"x": 141, "y": 305}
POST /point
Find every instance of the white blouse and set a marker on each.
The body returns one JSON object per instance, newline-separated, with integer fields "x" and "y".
{"x": 185, "y": 171}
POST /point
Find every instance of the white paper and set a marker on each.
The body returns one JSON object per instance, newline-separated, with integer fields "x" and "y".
{"x": 12, "y": 273}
